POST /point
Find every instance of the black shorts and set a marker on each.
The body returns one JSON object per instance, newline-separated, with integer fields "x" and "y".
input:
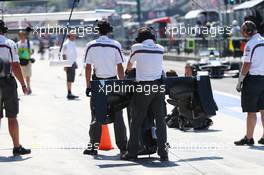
{"x": 252, "y": 98}
{"x": 8, "y": 98}
{"x": 70, "y": 71}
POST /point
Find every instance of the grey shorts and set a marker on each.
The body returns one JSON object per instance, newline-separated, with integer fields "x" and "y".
{"x": 70, "y": 72}
{"x": 252, "y": 97}
{"x": 8, "y": 98}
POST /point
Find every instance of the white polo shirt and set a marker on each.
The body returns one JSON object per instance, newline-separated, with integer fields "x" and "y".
{"x": 254, "y": 54}
{"x": 8, "y": 51}
{"x": 104, "y": 54}
{"x": 149, "y": 60}
{"x": 69, "y": 49}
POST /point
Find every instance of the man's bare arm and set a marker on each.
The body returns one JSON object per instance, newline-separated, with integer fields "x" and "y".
{"x": 245, "y": 68}
{"x": 88, "y": 71}
{"x": 18, "y": 74}
{"x": 120, "y": 71}
{"x": 129, "y": 66}
{"x": 244, "y": 72}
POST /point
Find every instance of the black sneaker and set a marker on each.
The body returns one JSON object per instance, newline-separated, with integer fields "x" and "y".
{"x": 128, "y": 157}
{"x": 164, "y": 158}
{"x": 71, "y": 97}
{"x": 20, "y": 151}
{"x": 91, "y": 152}
{"x": 122, "y": 153}
{"x": 245, "y": 141}
{"x": 261, "y": 141}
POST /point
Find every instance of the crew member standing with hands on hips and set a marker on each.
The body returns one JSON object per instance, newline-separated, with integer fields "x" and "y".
{"x": 149, "y": 70}
{"x": 251, "y": 81}
{"x": 9, "y": 65}
{"x": 106, "y": 57}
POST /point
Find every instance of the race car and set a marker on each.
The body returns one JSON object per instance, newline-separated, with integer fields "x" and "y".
{"x": 215, "y": 66}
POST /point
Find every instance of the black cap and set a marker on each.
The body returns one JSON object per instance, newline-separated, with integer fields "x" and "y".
{"x": 3, "y": 28}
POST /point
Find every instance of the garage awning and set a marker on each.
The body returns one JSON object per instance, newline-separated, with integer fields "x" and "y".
{"x": 159, "y": 20}
{"x": 248, "y": 4}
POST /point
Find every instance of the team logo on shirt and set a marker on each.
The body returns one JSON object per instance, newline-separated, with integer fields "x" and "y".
{"x": 247, "y": 51}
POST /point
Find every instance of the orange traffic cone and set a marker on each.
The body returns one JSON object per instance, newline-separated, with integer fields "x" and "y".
{"x": 105, "y": 142}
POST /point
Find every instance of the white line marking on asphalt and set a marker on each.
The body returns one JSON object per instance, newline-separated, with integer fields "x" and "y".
{"x": 227, "y": 94}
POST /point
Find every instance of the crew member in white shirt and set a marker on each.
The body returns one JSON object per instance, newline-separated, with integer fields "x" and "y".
{"x": 148, "y": 57}
{"x": 69, "y": 52}
{"x": 251, "y": 81}
{"x": 9, "y": 103}
{"x": 105, "y": 55}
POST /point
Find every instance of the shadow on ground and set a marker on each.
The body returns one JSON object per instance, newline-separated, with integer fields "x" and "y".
{"x": 204, "y": 131}
{"x": 258, "y": 148}
{"x": 149, "y": 162}
{"x": 200, "y": 159}
{"x": 13, "y": 159}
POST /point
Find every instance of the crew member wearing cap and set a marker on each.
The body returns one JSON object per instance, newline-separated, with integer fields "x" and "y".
{"x": 251, "y": 81}
{"x": 149, "y": 70}
{"x": 9, "y": 66}
{"x": 105, "y": 55}
{"x": 69, "y": 52}
{"x": 25, "y": 51}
